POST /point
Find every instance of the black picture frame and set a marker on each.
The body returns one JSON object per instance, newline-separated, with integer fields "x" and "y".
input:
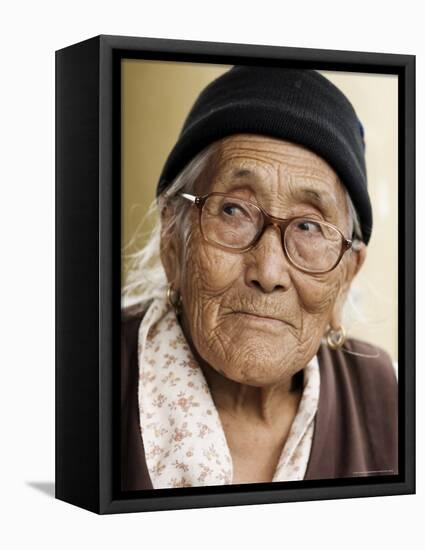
{"x": 88, "y": 203}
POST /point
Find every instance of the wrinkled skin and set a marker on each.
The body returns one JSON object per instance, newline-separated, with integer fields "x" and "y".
{"x": 249, "y": 361}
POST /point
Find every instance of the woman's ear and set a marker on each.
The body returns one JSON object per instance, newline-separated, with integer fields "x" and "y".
{"x": 169, "y": 250}
{"x": 355, "y": 262}
{"x": 358, "y": 256}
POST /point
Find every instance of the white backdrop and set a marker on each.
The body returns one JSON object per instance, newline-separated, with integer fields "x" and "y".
{"x": 30, "y": 33}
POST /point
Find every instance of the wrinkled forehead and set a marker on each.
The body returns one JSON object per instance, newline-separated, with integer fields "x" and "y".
{"x": 275, "y": 172}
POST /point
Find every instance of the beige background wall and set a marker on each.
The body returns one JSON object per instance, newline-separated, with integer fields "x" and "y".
{"x": 156, "y": 96}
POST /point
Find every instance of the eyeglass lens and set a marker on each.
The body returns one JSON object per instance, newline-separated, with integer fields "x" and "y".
{"x": 235, "y": 223}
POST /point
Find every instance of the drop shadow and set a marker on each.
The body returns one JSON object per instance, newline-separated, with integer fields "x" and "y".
{"x": 46, "y": 487}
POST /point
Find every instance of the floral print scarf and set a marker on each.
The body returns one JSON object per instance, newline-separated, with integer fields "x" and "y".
{"x": 184, "y": 441}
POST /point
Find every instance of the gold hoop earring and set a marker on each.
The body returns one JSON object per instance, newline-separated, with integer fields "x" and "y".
{"x": 336, "y": 338}
{"x": 174, "y": 298}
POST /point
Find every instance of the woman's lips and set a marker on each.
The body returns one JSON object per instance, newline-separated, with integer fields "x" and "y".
{"x": 261, "y": 319}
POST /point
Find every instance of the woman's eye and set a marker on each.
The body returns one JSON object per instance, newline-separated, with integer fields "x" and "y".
{"x": 233, "y": 210}
{"x": 309, "y": 226}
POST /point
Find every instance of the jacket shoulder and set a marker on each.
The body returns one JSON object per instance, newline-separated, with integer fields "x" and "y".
{"x": 131, "y": 317}
{"x": 134, "y": 471}
{"x": 363, "y": 375}
{"x": 369, "y": 360}
{"x": 357, "y": 418}
{"x": 133, "y": 312}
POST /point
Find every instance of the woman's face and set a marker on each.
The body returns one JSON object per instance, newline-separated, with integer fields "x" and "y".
{"x": 252, "y": 316}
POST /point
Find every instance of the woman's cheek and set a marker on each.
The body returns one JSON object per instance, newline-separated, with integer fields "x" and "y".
{"x": 317, "y": 294}
{"x": 212, "y": 270}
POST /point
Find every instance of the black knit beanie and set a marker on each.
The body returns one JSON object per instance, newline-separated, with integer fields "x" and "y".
{"x": 296, "y": 105}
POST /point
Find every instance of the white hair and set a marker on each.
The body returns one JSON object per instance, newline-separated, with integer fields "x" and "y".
{"x": 146, "y": 278}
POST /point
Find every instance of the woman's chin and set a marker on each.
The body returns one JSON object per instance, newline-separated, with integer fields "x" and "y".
{"x": 258, "y": 360}
{"x": 256, "y": 375}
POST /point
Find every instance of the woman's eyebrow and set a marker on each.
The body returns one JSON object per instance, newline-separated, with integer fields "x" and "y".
{"x": 242, "y": 173}
{"x": 318, "y": 196}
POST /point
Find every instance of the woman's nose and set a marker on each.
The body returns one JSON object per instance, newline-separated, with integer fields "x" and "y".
{"x": 267, "y": 265}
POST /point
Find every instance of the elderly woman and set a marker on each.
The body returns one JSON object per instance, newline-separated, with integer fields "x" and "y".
{"x": 235, "y": 363}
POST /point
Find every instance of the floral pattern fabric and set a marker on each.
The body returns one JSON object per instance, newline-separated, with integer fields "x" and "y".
{"x": 184, "y": 441}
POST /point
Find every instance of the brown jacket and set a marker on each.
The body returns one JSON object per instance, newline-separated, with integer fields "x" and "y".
{"x": 356, "y": 427}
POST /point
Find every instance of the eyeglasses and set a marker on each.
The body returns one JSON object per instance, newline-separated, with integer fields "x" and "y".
{"x": 237, "y": 225}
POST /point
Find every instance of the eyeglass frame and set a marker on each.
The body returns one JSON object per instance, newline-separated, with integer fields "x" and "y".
{"x": 268, "y": 219}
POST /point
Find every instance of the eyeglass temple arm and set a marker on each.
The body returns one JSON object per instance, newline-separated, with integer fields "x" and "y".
{"x": 192, "y": 198}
